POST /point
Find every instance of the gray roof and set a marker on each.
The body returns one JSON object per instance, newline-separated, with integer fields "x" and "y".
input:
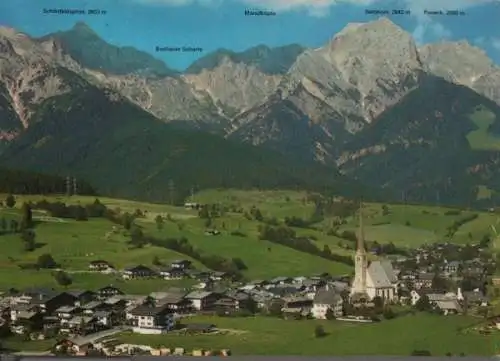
{"x": 378, "y": 275}
{"x": 326, "y": 296}
{"x": 198, "y": 294}
{"x": 389, "y": 271}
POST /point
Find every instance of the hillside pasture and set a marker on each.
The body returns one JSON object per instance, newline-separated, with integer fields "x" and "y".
{"x": 278, "y": 203}
{"x": 263, "y": 259}
{"x": 481, "y": 138}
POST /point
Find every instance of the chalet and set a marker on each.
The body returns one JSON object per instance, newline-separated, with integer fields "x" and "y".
{"x": 172, "y": 273}
{"x": 452, "y": 267}
{"x": 174, "y": 301}
{"x": 117, "y": 303}
{"x": 82, "y": 325}
{"x": 139, "y": 271}
{"x": 326, "y": 299}
{"x": 181, "y": 264}
{"x": 91, "y": 308}
{"x": 65, "y": 313}
{"x": 82, "y": 296}
{"x": 100, "y": 265}
{"x": 448, "y": 307}
{"x": 108, "y": 291}
{"x": 232, "y": 301}
{"x": 301, "y": 302}
{"x": 148, "y": 319}
{"x": 202, "y": 300}
{"x": 19, "y": 310}
{"x": 472, "y": 298}
{"x": 220, "y": 276}
{"x": 433, "y": 296}
{"x": 78, "y": 345}
{"x": 48, "y": 301}
{"x": 107, "y": 319}
{"x": 423, "y": 280}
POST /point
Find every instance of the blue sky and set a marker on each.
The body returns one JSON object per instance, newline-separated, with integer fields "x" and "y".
{"x": 211, "y": 24}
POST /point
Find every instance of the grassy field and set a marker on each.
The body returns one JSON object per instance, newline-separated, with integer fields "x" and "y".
{"x": 273, "y": 336}
{"x": 74, "y": 244}
{"x": 481, "y": 138}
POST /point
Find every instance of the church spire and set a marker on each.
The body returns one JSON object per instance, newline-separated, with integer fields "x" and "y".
{"x": 361, "y": 234}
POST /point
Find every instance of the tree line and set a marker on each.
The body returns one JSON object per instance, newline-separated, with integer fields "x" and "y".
{"x": 287, "y": 237}
{"x": 25, "y": 182}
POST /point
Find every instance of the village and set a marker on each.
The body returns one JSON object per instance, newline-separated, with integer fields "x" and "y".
{"x": 85, "y": 322}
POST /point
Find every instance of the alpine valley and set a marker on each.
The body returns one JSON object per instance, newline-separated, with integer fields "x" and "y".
{"x": 367, "y": 110}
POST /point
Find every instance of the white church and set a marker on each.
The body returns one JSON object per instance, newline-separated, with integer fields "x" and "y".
{"x": 373, "y": 279}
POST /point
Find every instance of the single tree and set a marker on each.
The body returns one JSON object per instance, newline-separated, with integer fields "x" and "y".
{"x": 26, "y": 216}
{"x": 46, "y": 261}
{"x": 159, "y": 222}
{"x": 28, "y": 237}
{"x": 10, "y": 201}
{"x": 62, "y": 278}
{"x": 319, "y": 331}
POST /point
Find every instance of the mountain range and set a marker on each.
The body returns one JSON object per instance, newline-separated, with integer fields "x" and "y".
{"x": 370, "y": 106}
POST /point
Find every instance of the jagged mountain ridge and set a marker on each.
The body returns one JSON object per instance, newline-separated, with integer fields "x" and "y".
{"x": 75, "y": 127}
{"x": 319, "y": 110}
{"x": 358, "y": 79}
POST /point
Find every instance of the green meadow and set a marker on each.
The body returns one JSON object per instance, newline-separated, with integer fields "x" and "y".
{"x": 274, "y": 336}
{"x": 74, "y": 244}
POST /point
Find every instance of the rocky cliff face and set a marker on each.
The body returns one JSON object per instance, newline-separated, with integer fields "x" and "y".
{"x": 30, "y": 72}
{"x": 462, "y": 63}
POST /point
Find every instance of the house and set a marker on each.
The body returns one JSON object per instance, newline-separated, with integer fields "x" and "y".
{"x": 297, "y": 301}
{"x": 139, "y": 271}
{"x": 82, "y": 296}
{"x": 65, "y": 313}
{"x": 451, "y": 267}
{"x": 181, "y": 264}
{"x": 220, "y": 276}
{"x": 174, "y": 301}
{"x": 100, "y": 265}
{"x": 91, "y": 308}
{"x": 172, "y": 273}
{"x": 107, "y": 319}
{"x": 424, "y": 280}
{"x": 232, "y": 301}
{"x": 202, "y": 300}
{"x": 48, "y": 301}
{"x": 108, "y": 291}
{"x": 433, "y": 296}
{"x": 327, "y": 299}
{"x": 474, "y": 297}
{"x": 147, "y": 319}
{"x": 448, "y": 307}
{"x": 82, "y": 325}
{"x": 77, "y": 345}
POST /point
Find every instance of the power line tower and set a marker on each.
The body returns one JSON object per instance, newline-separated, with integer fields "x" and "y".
{"x": 74, "y": 186}
{"x": 171, "y": 190}
{"x": 68, "y": 186}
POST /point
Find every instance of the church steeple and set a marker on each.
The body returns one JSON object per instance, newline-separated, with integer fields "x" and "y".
{"x": 360, "y": 260}
{"x": 361, "y": 232}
